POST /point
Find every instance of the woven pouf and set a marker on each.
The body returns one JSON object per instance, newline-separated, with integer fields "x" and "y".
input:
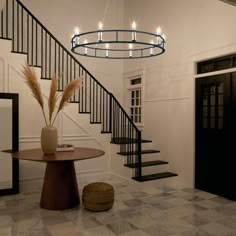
{"x": 98, "y": 196}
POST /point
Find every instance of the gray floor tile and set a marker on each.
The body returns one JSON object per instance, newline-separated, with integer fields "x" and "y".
{"x": 155, "y": 208}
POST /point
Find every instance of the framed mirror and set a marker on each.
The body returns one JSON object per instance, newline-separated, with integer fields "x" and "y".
{"x": 9, "y": 142}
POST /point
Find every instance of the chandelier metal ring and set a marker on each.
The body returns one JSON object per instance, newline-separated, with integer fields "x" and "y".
{"x": 111, "y": 44}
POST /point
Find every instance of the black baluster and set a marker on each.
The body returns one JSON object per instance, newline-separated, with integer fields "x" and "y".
{"x": 59, "y": 67}
{"x": 90, "y": 94}
{"x": 50, "y": 57}
{"x": 96, "y": 106}
{"x": 104, "y": 111}
{"x": 2, "y": 24}
{"x": 13, "y": 25}
{"x": 7, "y": 19}
{"x": 100, "y": 104}
{"x": 46, "y": 46}
{"x": 82, "y": 91}
{"x": 67, "y": 68}
{"x": 32, "y": 41}
{"x": 55, "y": 58}
{"x": 28, "y": 33}
{"x": 22, "y": 30}
{"x": 86, "y": 110}
{"x": 74, "y": 78}
{"x": 139, "y": 154}
{"x": 93, "y": 101}
{"x": 36, "y": 44}
{"x": 17, "y": 32}
{"x": 110, "y": 112}
{"x": 42, "y": 68}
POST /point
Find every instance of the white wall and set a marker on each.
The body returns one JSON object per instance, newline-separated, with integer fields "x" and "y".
{"x": 195, "y": 30}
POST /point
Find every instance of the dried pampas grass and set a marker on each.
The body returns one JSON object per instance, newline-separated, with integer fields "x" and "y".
{"x": 52, "y": 100}
{"x": 32, "y": 82}
{"x": 68, "y": 92}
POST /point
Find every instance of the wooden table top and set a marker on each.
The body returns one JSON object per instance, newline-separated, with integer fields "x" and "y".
{"x": 76, "y": 155}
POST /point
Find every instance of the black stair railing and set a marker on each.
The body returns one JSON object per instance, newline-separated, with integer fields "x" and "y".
{"x": 30, "y": 37}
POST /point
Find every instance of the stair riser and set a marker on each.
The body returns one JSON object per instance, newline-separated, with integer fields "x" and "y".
{"x": 151, "y": 157}
{"x": 147, "y": 146}
{"x": 155, "y": 169}
{"x": 144, "y": 145}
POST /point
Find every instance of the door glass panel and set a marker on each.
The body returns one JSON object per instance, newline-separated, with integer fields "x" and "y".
{"x": 220, "y": 111}
{"x": 132, "y": 94}
{"x": 220, "y": 123}
{"x": 212, "y": 89}
{"x": 220, "y": 88}
{"x": 212, "y": 123}
{"x": 205, "y": 111}
{"x": 205, "y": 101}
{"x": 132, "y": 102}
{"x": 212, "y": 99}
{"x": 212, "y": 111}
{"x": 220, "y": 99}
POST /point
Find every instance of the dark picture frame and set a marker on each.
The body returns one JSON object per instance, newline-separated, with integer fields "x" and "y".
{"x": 15, "y": 143}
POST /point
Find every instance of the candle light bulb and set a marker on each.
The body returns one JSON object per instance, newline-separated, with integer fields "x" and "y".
{"x": 134, "y": 33}
{"x": 76, "y": 30}
{"x": 107, "y": 47}
{"x": 134, "y": 25}
{"x": 159, "y": 30}
{"x": 85, "y": 47}
{"x": 151, "y": 48}
{"x": 130, "y": 47}
{"x": 100, "y": 25}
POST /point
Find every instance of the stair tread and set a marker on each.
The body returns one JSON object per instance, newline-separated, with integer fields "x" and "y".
{"x": 155, "y": 176}
{"x": 147, "y": 163}
{"x": 24, "y": 53}
{"x": 5, "y": 38}
{"x": 123, "y": 140}
{"x": 149, "y": 151}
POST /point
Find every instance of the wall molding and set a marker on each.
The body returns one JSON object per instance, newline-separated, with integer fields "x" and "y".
{"x": 2, "y": 75}
{"x": 33, "y": 139}
{"x": 166, "y": 99}
{"x": 31, "y": 180}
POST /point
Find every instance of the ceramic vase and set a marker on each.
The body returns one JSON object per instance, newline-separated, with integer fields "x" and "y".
{"x": 49, "y": 139}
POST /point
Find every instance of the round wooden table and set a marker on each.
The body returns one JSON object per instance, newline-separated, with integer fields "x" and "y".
{"x": 60, "y": 189}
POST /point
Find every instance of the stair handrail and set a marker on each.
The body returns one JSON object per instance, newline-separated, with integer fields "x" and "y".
{"x": 60, "y": 44}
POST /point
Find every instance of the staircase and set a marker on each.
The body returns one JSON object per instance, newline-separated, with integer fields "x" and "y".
{"x": 43, "y": 50}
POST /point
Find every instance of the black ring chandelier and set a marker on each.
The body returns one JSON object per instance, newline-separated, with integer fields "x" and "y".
{"x": 118, "y": 44}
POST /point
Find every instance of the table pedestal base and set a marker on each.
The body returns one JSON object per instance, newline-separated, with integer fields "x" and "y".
{"x": 60, "y": 189}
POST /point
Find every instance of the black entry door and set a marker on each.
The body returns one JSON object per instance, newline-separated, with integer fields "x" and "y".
{"x": 215, "y": 130}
